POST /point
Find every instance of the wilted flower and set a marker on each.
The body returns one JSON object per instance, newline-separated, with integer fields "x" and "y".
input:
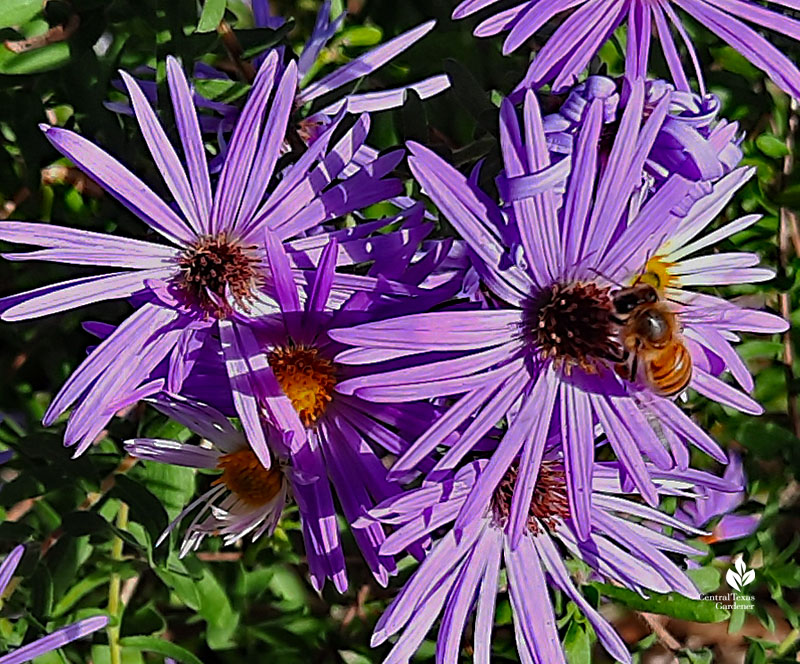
{"x": 246, "y": 499}
{"x": 627, "y": 545}
{"x": 57, "y": 639}
{"x": 554, "y": 351}
{"x": 214, "y": 271}
{"x": 589, "y": 24}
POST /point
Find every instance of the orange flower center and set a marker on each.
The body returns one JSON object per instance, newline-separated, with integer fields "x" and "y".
{"x": 245, "y": 476}
{"x": 307, "y": 378}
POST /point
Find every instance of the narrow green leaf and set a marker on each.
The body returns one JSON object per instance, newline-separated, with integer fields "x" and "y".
{"x": 213, "y": 13}
{"x": 772, "y": 146}
{"x": 160, "y": 646}
{"x": 673, "y": 604}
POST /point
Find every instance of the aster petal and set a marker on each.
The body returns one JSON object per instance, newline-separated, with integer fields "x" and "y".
{"x": 670, "y": 51}
{"x": 242, "y": 150}
{"x": 577, "y": 428}
{"x": 444, "y": 427}
{"x": 321, "y": 532}
{"x": 493, "y": 411}
{"x": 460, "y": 601}
{"x": 438, "y": 330}
{"x": 533, "y": 416}
{"x": 527, "y": 474}
{"x": 625, "y": 447}
{"x": 269, "y": 147}
{"x": 434, "y": 571}
{"x": 673, "y": 417}
{"x": 575, "y": 40}
{"x": 71, "y": 245}
{"x": 382, "y": 100}
{"x": 281, "y": 273}
{"x": 534, "y": 16}
{"x": 365, "y": 64}
{"x": 581, "y": 184}
{"x": 708, "y": 240}
{"x": 120, "y": 183}
{"x": 164, "y": 155}
{"x": 192, "y": 141}
{"x": 125, "y": 341}
{"x": 487, "y": 597}
{"x": 748, "y": 42}
{"x": 468, "y": 7}
{"x": 710, "y": 338}
{"x": 80, "y": 292}
{"x": 9, "y": 566}
{"x": 420, "y": 624}
{"x": 171, "y": 452}
{"x": 323, "y": 281}
{"x": 204, "y": 420}
{"x": 721, "y": 392}
{"x": 453, "y": 196}
{"x": 530, "y": 600}
{"x": 57, "y": 639}
{"x": 279, "y": 409}
{"x": 669, "y": 571}
{"x": 554, "y": 565}
{"x": 243, "y": 392}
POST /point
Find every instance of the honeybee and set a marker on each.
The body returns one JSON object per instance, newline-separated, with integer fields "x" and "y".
{"x": 651, "y": 341}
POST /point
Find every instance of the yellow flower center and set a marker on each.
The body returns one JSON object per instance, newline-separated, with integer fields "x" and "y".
{"x": 307, "y": 378}
{"x": 656, "y": 274}
{"x": 245, "y": 476}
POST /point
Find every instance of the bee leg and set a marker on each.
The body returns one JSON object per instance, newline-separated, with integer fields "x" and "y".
{"x": 616, "y": 319}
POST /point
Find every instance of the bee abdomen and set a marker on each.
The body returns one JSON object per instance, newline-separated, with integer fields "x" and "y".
{"x": 672, "y": 371}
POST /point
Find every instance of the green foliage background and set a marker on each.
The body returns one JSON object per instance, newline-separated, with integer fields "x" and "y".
{"x": 228, "y": 606}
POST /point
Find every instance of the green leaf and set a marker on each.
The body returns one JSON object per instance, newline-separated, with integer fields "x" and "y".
{"x": 707, "y": 579}
{"x": 173, "y": 486}
{"x": 361, "y": 35}
{"x": 768, "y": 439}
{"x": 145, "y": 508}
{"x": 218, "y": 89}
{"x": 772, "y": 146}
{"x": 577, "y": 645}
{"x": 35, "y": 61}
{"x": 17, "y": 12}
{"x": 160, "y": 646}
{"x": 216, "y": 609}
{"x": 80, "y": 590}
{"x": 672, "y": 604}
{"x": 213, "y": 13}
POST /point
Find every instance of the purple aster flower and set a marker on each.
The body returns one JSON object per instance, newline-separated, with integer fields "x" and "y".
{"x": 246, "y": 499}
{"x": 51, "y": 642}
{"x": 555, "y": 352}
{"x": 293, "y": 380}
{"x": 692, "y": 141}
{"x": 588, "y": 24}
{"x": 627, "y": 546}
{"x": 310, "y": 126}
{"x": 214, "y": 268}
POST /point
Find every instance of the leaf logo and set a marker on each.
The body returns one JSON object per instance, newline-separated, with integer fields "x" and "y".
{"x": 741, "y": 577}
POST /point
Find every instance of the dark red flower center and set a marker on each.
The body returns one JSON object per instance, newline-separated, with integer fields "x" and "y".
{"x": 217, "y": 269}
{"x": 549, "y": 505}
{"x": 573, "y": 324}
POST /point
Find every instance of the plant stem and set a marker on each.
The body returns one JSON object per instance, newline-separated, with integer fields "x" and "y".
{"x": 114, "y": 606}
